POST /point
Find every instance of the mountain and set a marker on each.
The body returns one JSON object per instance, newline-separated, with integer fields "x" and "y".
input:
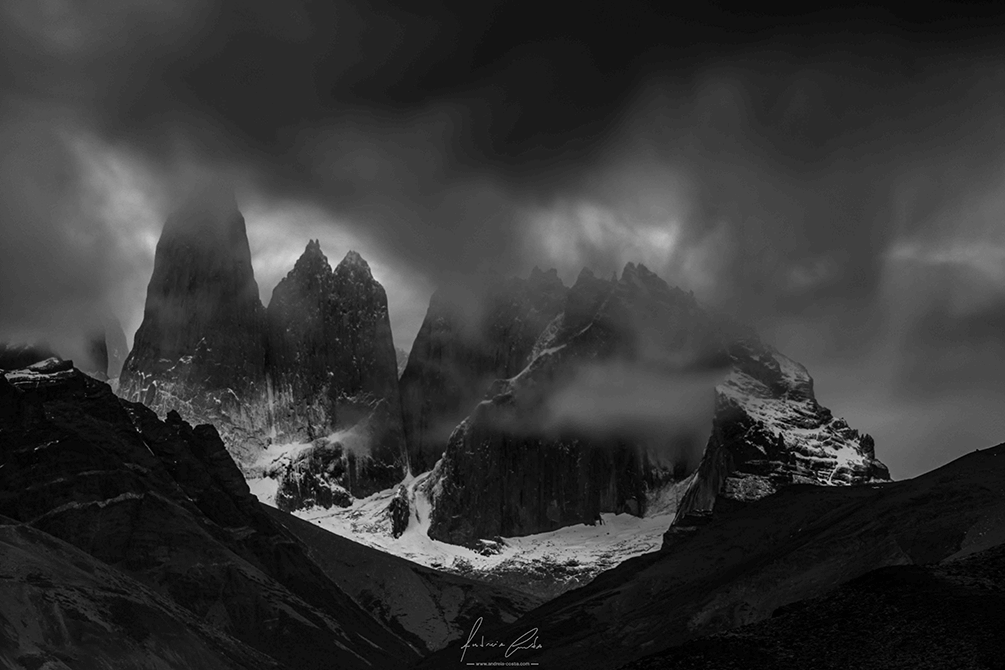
{"x": 317, "y": 367}
{"x": 769, "y": 431}
{"x": 200, "y": 349}
{"x": 401, "y": 358}
{"x": 332, "y": 369}
{"x": 752, "y": 558}
{"x": 466, "y": 341}
{"x": 609, "y": 410}
{"x": 160, "y": 503}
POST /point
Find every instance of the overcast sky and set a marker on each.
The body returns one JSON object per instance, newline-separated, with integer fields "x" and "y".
{"x": 836, "y": 178}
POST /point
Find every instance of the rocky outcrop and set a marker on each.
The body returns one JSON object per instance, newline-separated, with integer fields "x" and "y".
{"x": 164, "y": 504}
{"x": 312, "y": 479}
{"x": 200, "y": 349}
{"x": 332, "y": 369}
{"x": 618, "y": 390}
{"x": 467, "y": 341}
{"x": 769, "y": 431}
{"x": 552, "y": 447}
{"x": 399, "y": 510}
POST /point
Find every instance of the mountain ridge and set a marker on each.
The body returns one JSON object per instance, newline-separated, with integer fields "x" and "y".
{"x": 601, "y": 416}
{"x": 317, "y": 365}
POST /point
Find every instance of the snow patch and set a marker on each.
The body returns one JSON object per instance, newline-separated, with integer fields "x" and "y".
{"x": 578, "y": 553}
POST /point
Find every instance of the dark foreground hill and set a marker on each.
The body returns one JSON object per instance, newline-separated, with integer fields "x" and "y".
{"x": 161, "y": 504}
{"x": 62, "y": 609}
{"x": 753, "y": 558}
{"x": 428, "y": 608}
{"x": 909, "y": 617}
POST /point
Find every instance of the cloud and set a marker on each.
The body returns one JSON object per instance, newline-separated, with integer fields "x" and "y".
{"x": 671, "y": 411}
{"x": 845, "y": 198}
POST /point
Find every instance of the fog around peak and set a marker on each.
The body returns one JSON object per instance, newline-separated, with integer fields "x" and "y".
{"x": 837, "y": 180}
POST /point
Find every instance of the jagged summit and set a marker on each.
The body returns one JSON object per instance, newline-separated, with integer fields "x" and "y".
{"x": 354, "y": 261}
{"x": 537, "y": 273}
{"x": 569, "y": 411}
{"x": 640, "y": 273}
{"x": 200, "y": 349}
{"x": 319, "y": 360}
{"x": 586, "y": 274}
{"x": 311, "y": 262}
{"x": 332, "y": 367}
{"x": 314, "y": 249}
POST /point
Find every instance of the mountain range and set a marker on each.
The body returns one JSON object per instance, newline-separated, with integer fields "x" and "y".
{"x": 526, "y": 409}
{"x": 494, "y": 386}
{"x": 132, "y": 541}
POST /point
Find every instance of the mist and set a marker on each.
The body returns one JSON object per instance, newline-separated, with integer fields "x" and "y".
{"x": 668, "y": 411}
{"x": 838, "y": 181}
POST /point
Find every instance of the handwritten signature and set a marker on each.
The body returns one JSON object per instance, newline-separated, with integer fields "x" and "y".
{"x": 526, "y": 641}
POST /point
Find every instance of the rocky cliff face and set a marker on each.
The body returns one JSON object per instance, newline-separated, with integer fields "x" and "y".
{"x": 317, "y": 366}
{"x": 464, "y": 344}
{"x": 769, "y": 431}
{"x": 163, "y": 503}
{"x": 333, "y": 372}
{"x": 200, "y": 349}
{"x": 618, "y": 386}
{"x": 551, "y": 446}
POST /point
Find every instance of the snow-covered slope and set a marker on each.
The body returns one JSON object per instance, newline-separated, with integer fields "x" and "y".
{"x": 825, "y": 449}
{"x": 769, "y": 431}
{"x": 544, "y": 564}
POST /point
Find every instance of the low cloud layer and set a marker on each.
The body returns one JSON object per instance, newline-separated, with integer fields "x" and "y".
{"x": 843, "y": 196}
{"x": 669, "y": 411}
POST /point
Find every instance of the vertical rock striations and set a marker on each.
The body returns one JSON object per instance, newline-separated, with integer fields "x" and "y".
{"x": 561, "y": 442}
{"x": 318, "y": 366}
{"x": 333, "y": 379}
{"x": 464, "y": 344}
{"x": 200, "y": 349}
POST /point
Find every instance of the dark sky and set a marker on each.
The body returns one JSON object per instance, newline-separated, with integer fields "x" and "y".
{"x": 836, "y": 177}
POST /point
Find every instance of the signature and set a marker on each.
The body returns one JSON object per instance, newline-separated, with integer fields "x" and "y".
{"x": 526, "y": 641}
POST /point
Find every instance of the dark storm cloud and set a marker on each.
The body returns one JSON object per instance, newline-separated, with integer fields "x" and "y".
{"x": 835, "y": 177}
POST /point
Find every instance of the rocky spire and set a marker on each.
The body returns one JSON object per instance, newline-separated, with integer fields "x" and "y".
{"x": 354, "y": 265}
{"x": 332, "y": 367}
{"x": 201, "y": 346}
